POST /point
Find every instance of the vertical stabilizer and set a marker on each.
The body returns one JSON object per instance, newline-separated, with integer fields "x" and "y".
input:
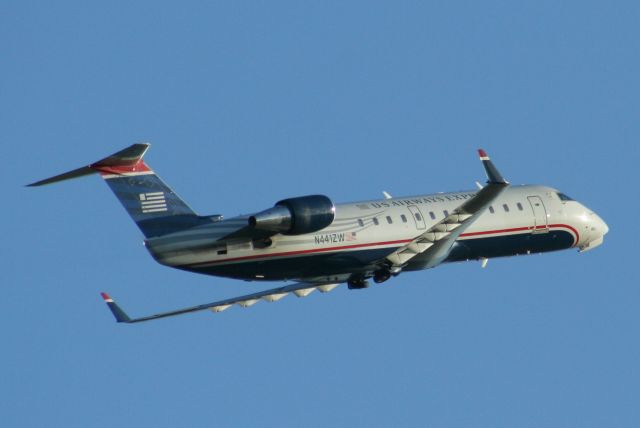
{"x": 155, "y": 208}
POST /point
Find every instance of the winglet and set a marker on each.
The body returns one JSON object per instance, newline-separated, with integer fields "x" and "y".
{"x": 492, "y": 172}
{"x": 120, "y": 315}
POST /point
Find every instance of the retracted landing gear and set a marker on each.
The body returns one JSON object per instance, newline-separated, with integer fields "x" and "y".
{"x": 357, "y": 283}
{"x": 381, "y": 276}
{"x": 385, "y": 272}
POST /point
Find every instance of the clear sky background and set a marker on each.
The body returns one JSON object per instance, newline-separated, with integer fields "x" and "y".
{"x": 246, "y": 103}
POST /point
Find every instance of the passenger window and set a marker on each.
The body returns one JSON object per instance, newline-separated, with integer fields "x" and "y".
{"x": 360, "y": 223}
{"x": 375, "y": 221}
{"x": 491, "y": 210}
{"x": 446, "y": 213}
{"x": 519, "y": 206}
{"x": 432, "y": 215}
{"x": 506, "y": 207}
{"x": 418, "y": 217}
{"x": 389, "y": 220}
{"x": 403, "y": 217}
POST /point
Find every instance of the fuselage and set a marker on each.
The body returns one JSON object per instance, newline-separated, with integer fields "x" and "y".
{"x": 522, "y": 220}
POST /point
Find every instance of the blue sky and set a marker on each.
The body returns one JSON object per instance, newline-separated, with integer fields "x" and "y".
{"x": 246, "y": 103}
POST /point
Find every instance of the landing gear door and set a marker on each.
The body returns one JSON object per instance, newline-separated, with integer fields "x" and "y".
{"x": 417, "y": 217}
{"x": 541, "y": 224}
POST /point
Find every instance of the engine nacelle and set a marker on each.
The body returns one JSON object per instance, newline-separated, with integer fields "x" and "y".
{"x": 296, "y": 216}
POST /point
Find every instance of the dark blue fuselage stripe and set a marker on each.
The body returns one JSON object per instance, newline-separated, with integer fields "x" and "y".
{"x": 322, "y": 264}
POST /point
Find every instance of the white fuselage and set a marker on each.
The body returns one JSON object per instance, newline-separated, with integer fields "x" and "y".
{"x": 523, "y": 219}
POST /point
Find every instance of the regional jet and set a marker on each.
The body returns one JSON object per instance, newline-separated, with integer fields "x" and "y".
{"x": 315, "y": 244}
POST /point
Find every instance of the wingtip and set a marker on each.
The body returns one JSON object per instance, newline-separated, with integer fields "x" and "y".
{"x": 116, "y": 310}
{"x": 492, "y": 173}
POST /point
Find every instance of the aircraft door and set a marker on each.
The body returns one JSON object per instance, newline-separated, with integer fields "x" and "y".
{"x": 417, "y": 217}
{"x": 541, "y": 224}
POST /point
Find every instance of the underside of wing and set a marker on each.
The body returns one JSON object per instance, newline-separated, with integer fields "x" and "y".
{"x": 300, "y": 289}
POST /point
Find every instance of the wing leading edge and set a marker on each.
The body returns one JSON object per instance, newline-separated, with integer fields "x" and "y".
{"x": 435, "y": 244}
{"x": 300, "y": 289}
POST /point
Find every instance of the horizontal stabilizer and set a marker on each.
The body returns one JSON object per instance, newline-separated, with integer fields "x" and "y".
{"x": 124, "y": 160}
{"x": 80, "y": 172}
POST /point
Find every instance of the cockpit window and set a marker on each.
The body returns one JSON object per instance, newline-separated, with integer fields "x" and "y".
{"x": 564, "y": 197}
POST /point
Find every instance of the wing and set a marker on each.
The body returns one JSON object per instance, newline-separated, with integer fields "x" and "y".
{"x": 300, "y": 289}
{"x": 435, "y": 244}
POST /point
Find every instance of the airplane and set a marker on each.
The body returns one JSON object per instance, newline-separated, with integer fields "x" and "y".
{"x": 317, "y": 244}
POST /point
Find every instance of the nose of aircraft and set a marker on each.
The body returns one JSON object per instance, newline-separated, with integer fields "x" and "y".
{"x": 598, "y": 228}
{"x": 601, "y": 225}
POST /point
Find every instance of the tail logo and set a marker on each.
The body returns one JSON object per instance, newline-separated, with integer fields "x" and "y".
{"x": 153, "y": 202}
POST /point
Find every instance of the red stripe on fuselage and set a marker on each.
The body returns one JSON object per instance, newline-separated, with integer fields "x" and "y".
{"x": 376, "y": 244}
{"x": 521, "y": 229}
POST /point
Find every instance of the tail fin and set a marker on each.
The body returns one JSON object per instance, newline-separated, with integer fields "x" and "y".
{"x": 155, "y": 208}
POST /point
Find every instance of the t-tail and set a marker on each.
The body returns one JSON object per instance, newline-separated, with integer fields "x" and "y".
{"x": 155, "y": 208}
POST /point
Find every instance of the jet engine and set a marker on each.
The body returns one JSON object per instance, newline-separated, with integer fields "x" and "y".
{"x": 296, "y": 216}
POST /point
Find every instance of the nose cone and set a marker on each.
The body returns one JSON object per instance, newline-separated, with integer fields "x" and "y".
{"x": 598, "y": 228}
{"x": 602, "y": 226}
